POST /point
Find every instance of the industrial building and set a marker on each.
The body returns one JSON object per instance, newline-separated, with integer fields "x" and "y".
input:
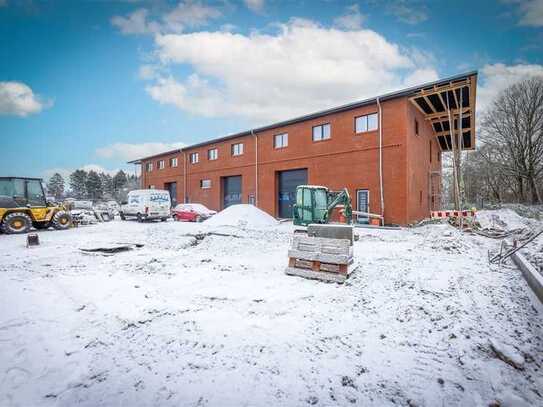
{"x": 386, "y": 150}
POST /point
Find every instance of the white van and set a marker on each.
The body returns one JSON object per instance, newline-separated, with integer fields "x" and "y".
{"x": 145, "y": 204}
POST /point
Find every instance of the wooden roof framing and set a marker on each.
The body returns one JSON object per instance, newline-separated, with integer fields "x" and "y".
{"x": 456, "y": 98}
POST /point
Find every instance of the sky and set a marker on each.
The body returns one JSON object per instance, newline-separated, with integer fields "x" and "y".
{"x": 94, "y": 84}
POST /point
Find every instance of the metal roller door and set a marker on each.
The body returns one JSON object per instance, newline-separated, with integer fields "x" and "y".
{"x": 286, "y": 194}
{"x": 231, "y": 187}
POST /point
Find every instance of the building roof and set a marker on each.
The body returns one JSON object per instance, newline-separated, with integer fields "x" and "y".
{"x": 412, "y": 91}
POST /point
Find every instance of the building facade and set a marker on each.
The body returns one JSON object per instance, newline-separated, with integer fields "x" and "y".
{"x": 386, "y": 151}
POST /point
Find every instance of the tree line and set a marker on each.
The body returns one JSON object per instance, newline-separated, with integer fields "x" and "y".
{"x": 507, "y": 165}
{"x": 92, "y": 185}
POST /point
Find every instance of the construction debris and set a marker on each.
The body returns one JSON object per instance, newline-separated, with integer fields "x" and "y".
{"x": 506, "y": 250}
{"x": 508, "y": 354}
{"x": 32, "y": 239}
{"x": 114, "y": 249}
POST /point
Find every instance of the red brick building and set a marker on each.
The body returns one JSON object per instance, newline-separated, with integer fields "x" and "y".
{"x": 385, "y": 150}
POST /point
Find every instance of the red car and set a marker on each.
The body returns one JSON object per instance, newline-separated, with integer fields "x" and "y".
{"x": 192, "y": 212}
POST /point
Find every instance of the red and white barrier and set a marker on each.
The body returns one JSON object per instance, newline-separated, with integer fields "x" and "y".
{"x": 452, "y": 214}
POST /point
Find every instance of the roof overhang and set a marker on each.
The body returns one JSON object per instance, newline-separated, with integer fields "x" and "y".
{"x": 449, "y": 106}
{"x": 458, "y": 87}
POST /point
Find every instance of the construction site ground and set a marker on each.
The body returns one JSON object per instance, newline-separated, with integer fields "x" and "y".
{"x": 199, "y": 319}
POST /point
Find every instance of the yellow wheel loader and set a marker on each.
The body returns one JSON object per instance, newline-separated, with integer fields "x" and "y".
{"x": 23, "y": 205}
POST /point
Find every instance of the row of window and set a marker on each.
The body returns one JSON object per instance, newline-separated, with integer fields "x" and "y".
{"x": 213, "y": 153}
{"x": 321, "y": 132}
{"x": 204, "y": 184}
{"x": 160, "y": 164}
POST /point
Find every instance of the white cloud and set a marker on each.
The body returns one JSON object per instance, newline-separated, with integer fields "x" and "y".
{"x": 128, "y": 152}
{"x": 255, "y": 5}
{"x": 147, "y": 72}
{"x": 187, "y": 14}
{"x": 420, "y": 76}
{"x": 135, "y": 23}
{"x": 410, "y": 12}
{"x": 351, "y": 20}
{"x": 495, "y": 78}
{"x": 3, "y": 3}
{"x": 531, "y": 13}
{"x": 302, "y": 68}
{"x": 16, "y": 98}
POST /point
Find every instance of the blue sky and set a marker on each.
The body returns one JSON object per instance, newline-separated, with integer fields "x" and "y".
{"x": 93, "y": 84}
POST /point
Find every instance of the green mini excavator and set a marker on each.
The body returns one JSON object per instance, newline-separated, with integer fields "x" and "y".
{"x": 314, "y": 204}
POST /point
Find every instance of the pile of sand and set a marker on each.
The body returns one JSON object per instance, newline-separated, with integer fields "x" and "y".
{"x": 242, "y": 216}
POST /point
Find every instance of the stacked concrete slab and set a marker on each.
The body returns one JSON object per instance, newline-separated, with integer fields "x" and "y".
{"x": 328, "y": 258}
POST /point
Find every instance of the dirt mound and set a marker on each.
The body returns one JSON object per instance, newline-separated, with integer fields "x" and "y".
{"x": 242, "y": 216}
{"x": 501, "y": 219}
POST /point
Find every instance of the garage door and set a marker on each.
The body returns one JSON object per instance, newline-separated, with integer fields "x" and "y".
{"x": 287, "y": 183}
{"x": 231, "y": 187}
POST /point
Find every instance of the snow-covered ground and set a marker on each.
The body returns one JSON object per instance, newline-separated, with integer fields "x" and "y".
{"x": 186, "y": 321}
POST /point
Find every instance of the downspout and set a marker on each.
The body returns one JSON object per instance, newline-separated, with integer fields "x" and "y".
{"x": 184, "y": 177}
{"x": 256, "y": 167}
{"x": 381, "y": 159}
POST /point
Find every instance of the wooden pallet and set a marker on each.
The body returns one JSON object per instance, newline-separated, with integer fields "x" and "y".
{"x": 320, "y": 258}
{"x": 316, "y": 265}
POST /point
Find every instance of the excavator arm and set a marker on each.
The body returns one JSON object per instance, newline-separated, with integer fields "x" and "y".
{"x": 340, "y": 198}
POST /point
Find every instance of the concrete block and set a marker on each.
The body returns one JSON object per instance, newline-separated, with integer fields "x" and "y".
{"x": 531, "y": 275}
{"x": 331, "y": 231}
{"x": 322, "y": 257}
{"x": 321, "y": 244}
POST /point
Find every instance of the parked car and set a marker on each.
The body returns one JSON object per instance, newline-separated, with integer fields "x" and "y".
{"x": 192, "y": 212}
{"x": 114, "y": 207}
{"x": 146, "y": 204}
{"x": 103, "y": 211}
{"x": 88, "y": 213}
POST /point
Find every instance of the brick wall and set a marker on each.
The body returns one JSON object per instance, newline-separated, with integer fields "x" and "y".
{"x": 347, "y": 160}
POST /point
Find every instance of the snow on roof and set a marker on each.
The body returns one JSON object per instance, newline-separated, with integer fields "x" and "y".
{"x": 243, "y": 215}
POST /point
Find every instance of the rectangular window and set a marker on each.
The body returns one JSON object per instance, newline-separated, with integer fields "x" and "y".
{"x": 368, "y": 122}
{"x": 194, "y": 158}
{"x": 430, "y": 150}
{"x": 149, "y": 167}
{"x": 35, "y": 193}
{"x": 151, "y": 187}
{"x": 12, "y": 188}
{"x": 321, "y": 132}
{"x": 237, "y": 149}
{"x": 173, "y": 162}
{"x": 438, "y": 156}
{"x": 212, "y": 154}
{"x": 160, "y": 164}
{"x": 280, "y": 140}
{"x": 416, "y": 127}
{"x": 205, "y": 183}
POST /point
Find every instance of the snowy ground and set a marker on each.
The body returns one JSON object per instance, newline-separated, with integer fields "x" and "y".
{"x": 215, "y": 322}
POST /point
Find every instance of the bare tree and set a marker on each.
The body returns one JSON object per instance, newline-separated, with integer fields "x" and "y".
{"x": 512, "y": 132}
